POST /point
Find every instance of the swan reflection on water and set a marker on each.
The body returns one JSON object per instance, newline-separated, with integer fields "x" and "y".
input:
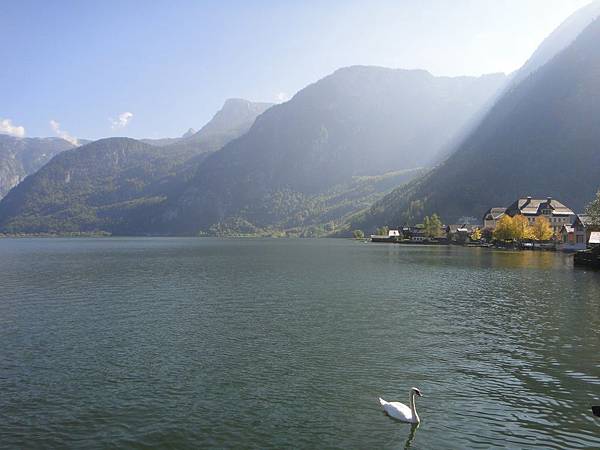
{"x": 411, "y": 435}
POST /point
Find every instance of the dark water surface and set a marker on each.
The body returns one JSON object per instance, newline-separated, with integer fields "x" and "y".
{"x": 198, "y": 343}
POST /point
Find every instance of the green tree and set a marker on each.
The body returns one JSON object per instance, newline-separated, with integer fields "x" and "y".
{"x": 358, "y": 234}
{"x": 436, "y": 225}
{"x": 426, "y": 225}
{"x": 432, "y": 226}
{"x": 593, "y": 210}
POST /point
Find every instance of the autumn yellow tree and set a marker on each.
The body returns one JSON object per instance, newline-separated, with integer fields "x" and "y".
{"x": 542, "y": 231}
{"x": 521, "y": 228}
{"x": 504, "y": 228}
{"x": 476, "y": 235}
{"x": 513, "y": 228}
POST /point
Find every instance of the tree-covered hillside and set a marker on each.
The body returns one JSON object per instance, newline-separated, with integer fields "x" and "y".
{"x": 20, "y": 157}
{"x": 542, "y": 138}
{"x": 110, "y": 185}
{"x": 117, "y": 185}
{"x": 359, "y": 121}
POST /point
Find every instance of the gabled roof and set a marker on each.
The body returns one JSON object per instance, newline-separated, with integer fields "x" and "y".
{"x": 585, "y": 220}
{"x": 495, "y": 213}
{"x": 534, "y": 206}
{"x": 568, "y": 228}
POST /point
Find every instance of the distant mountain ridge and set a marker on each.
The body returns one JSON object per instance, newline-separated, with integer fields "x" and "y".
{"x": 335, "y": 147}
{"x": 358, "y": 121}
{"x": 559, "y": 39}
{"x": 20, "y": 157}
{"x": 189, "y": 133}
{"x": 237, "y": 115}
{"x": 552, "y": 45}
{"x": 118, "y": 185}
{"x": 235, "y": 118}
{"x": 99, "y": 186}
{"x": 542, "y": 138}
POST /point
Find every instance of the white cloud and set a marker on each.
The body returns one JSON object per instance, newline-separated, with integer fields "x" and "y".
{"x": 122, "y": 121}
{"x": 63, "y": 134}
{"x": 7, "y": 127}
{"x": 282, "y": 97}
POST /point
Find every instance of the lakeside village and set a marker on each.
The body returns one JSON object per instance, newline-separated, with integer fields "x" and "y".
{"x": 527, "y": 224}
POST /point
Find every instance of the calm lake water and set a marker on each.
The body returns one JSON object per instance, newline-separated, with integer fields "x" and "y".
{"x": 198, "y": 343}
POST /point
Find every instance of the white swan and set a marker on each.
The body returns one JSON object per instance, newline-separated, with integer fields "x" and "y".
{"x": 402, "y": 412}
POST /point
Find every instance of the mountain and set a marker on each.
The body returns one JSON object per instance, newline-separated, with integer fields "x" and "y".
{"x": 303, "y": 166}
{"x": 189, "y": 133}
{"x": 559, "y": 39}
{"x": 105, "y": 185}
{"x": 233, "y": 120}
{"x": 117, "y": 185}
{"x": 359, "y": 121}
{"x": 20, "y": 157}
{"x": 287, "y": 213}
{"x": 542, "y": 138}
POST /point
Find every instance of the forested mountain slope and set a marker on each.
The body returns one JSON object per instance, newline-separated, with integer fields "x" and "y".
{"x": 542, "y": 138}
{"x": 359, "y": 121}
{"x": 20, "y": 157}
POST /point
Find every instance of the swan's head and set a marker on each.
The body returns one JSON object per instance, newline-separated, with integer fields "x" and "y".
{"x": 416, "y": 391}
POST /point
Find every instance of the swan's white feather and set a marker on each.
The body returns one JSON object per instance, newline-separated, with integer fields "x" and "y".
{"x": 397, "y": 410}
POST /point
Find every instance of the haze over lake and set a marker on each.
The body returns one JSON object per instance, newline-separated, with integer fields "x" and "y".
{"x": 269, "y": 343}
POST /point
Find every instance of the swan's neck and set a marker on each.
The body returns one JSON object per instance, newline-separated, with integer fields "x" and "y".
{"x": 413, "y": 407}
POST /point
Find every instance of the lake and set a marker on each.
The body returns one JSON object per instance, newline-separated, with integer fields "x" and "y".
{"x": 266, "y": 343}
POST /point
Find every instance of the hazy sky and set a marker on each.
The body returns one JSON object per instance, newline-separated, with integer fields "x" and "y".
{"x": 155, "y": 68}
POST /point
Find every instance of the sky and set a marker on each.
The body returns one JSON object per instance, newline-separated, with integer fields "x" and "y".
{"x": 82, "y": 69}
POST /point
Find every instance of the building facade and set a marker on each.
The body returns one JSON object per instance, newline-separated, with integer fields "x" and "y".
{"x": 492, "y": 216}
{"x": 460, "y": 234}
{"x": 574, "y": 236}
{"x": 532, "y": 209}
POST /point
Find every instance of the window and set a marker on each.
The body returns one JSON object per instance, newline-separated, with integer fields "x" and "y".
{"x": 579, "y": 239}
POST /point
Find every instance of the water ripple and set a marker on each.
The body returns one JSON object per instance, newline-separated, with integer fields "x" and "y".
{"x": 189, "y": 343}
